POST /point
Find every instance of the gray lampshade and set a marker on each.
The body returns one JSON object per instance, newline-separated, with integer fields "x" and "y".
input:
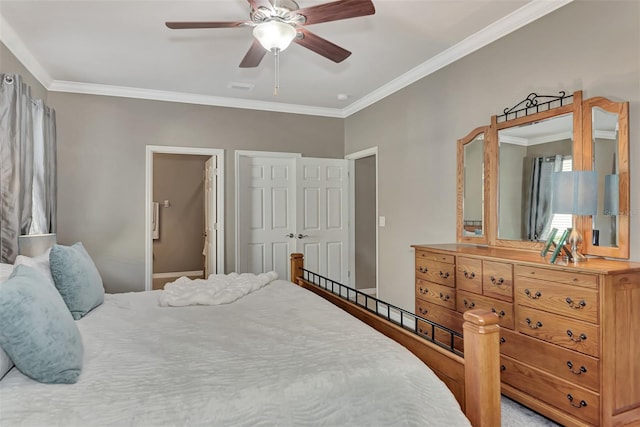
{"x": 611, "y": 195}
{"x": 35, "y": 244}
{"x": 575, "y": 193}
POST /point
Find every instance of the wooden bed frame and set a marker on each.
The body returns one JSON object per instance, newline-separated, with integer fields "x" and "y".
{"x": 474, "y": 380}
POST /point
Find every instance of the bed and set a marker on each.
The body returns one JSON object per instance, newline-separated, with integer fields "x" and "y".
{"x": 277, "y": 356}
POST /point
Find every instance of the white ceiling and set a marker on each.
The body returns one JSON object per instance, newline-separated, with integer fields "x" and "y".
{"x": 117, "y": 47}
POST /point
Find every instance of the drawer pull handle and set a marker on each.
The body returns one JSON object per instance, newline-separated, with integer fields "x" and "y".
{"x": 423, "y": 269}
{"x": 528, "y": 293}
{"x": 423, "y": 310}
{"x": 575, "y": 305}
{"x": 468, "y": 304}
{"x": 503, "y": 368}
{"x": 468, "y": 275}
{"x": 537, "y": 325}
{"x": 582, "y": 403}
{"x": 502, "y": 340}
{"x": 444, "y": 297}
{"x": 582, "y": 369}
{"x": 444, "y": 275}
{"x": 423, "y": 291}
{"x": 498, "y": 282}
{"x": 501, "y": 313}
{"x": 582, "y": 337}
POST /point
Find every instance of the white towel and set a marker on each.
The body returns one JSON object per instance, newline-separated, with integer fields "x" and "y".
{"x": 155, "y": 220}
{"x": 217, "y": 289}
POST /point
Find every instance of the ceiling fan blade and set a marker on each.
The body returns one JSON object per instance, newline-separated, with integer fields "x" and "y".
{"x": 334, "y": 11}
{"x": 254, "y": 55}
{"x": 212, "y": 24}
{"x": 321, "y": 46}
{"x": 255, "y": 4}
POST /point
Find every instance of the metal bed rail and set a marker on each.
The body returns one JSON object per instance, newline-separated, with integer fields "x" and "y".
{"x": 403, "y": 318}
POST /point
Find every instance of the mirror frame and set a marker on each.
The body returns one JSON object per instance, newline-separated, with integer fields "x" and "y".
{"x": 576, "y": 108}
{"x": 484, "y": 238}
{"x": 622, "y": 109}
{"x": 582, "y": 160}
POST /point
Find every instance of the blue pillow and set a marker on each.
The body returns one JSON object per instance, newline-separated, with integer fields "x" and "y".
{"x": 38, "y": 333}
{"x": 77, "y": 278}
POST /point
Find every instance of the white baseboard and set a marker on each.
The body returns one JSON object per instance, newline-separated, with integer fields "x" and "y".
{"x": 177, "y": 274}
{"x": 368, "y": 291}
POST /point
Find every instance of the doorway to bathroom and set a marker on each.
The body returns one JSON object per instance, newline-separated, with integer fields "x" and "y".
{"x": 185, "y": 208}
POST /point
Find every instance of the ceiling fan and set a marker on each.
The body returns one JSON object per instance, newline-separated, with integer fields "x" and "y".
{"x": 277, "y": 23}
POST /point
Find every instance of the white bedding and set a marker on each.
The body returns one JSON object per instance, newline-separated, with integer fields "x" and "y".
{"x": 278, "y": 356}
{"x": 215, "y": 290}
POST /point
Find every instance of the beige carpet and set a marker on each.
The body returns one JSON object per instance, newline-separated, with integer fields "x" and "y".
{"x": 516, "y": 415}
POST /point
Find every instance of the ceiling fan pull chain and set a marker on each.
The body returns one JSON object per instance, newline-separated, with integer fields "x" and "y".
{"x": 276, "y": 85}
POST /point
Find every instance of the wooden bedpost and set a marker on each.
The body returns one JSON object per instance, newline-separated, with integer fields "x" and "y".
{"x": 482, "y": 368}
{"x": 297, "y": 263}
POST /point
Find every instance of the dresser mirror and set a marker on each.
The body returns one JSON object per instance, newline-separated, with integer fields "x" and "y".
{"x": 522, "y": 148}
{"x": 606, "y": 136}
{"x": 528, "y": 155}
{"x": 472, "y": 168}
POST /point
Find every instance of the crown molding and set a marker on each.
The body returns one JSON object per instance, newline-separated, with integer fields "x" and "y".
{"x": 189, "y": 98}
{"x": 515, "y": 20}
{"x": 11, "y": 40}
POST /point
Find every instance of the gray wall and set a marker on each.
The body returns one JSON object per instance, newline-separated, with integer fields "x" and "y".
{"x": 593, "y": 46}
{"x": 365, "y": 227}
{"x": 180, "y": 180}
{"x": 9, "y": 64}
{"x": 101, "y": 166}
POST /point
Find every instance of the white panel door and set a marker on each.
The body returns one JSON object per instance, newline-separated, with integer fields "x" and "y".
{"x": 266, "y": 217}
{"x": 210, "y": 217}
{"x": 322, "y": 216}
{"x": 293, "y": 204}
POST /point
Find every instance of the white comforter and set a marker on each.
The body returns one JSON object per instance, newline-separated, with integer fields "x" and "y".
{"x": 278, "y": 356}
{"x": 216, "y": 289}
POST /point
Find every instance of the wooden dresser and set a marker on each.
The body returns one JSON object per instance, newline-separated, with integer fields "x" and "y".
{"x": 570, "y": 337}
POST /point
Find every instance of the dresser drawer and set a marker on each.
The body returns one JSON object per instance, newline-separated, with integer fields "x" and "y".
{"x": 570, "y": 365}
{"x": 574, "y": 400}
{"x": 442, "y": 316}
{"x": 435, "y": 271}
{"x": 433, "y": 256}
{"x": 497, "y": 280}
{"x": 438, "y": 294}
{"x": 559, "y": 276}
{"x": 574, "y": 301}
{"x": 504, "y": 310}
{"x": 572, "y": 334}
{"x": 469, "y": 274}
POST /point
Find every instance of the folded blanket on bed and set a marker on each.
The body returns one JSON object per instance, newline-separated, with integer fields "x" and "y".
{"x": 217, "y": 289}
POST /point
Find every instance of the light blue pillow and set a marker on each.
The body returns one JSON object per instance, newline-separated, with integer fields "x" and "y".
{"x": 38, "y": 333}
{"x": 77, "y": 278}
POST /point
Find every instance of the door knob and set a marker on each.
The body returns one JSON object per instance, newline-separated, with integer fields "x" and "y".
{"x": 302, "y": 236}
{"x": 290, "y": 235}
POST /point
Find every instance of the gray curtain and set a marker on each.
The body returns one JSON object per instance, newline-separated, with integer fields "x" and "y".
{"x": 537, "y": 210}
{"x": 27, "y": 165}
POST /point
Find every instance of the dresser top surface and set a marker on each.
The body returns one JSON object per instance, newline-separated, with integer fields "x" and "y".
{"x": 592, "y": 265}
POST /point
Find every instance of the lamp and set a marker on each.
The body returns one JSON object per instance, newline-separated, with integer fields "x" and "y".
{"x": 274, "y": 35}
{"x": 35, "y": 244}
{"x": 575, "y": 193}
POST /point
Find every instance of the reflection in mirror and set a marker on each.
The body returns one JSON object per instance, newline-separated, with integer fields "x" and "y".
{"x": 473, "y": 191}
{"x": 605, "y": 163}
{"x": 528, "y": 156}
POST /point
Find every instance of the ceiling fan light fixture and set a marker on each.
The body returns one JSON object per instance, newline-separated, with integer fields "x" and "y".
{"x": 274, "y": 35}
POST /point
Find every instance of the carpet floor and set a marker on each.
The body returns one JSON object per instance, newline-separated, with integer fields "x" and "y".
{"x": 516, "y": 415}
